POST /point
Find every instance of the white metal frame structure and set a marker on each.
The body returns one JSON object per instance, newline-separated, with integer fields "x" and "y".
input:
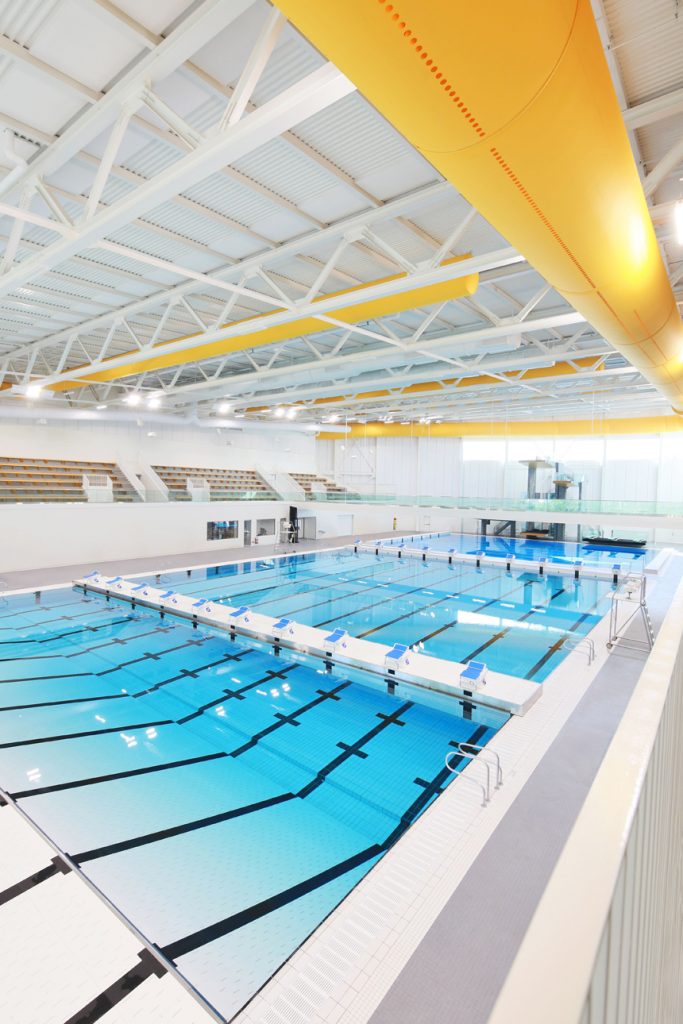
{"x": 200, "y": 165}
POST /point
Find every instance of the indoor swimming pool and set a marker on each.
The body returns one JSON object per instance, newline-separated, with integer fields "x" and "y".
{"x": 515, "y": 622}
{"x": 561, "y": 551}
{"x": 224, "y": 799}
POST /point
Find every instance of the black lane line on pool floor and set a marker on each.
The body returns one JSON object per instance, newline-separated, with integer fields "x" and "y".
{"x": 239, "y": 596}
{"x": 345, "y": 597}
{"x": 193, "y": 673}
{"x": 238, "y": 694}
{"x": 348, "y": 751}
{"x": 93, "y": 780}
{"x": 61, "y": 636}
{"x": 558, "y": 643}
{"x": 504, "y": 632}
{"x": 392, "y": 597}
{"x": 80, "y": 735}
{"x": 197, "y": 641}
{"x": 99, "y": 610}
{"x": 441, "y": 600}
{"x": 181, "y": 947}
{"x": 67, "y": 700}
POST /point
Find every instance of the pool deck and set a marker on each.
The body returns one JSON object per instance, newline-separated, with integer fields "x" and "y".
{"x": 428, "y": 935}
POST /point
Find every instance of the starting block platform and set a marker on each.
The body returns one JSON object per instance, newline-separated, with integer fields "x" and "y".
{"x": 577, "y": 569}
{"x": 393, "y": 665}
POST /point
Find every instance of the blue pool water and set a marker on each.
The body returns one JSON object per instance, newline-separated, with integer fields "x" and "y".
{"x": 563, "y": 552}
{"x": 514, "y": 622}
{"x": 224, "y": 799}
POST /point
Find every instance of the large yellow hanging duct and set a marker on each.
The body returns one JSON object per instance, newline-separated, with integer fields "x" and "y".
{"x": 514, "y": 104}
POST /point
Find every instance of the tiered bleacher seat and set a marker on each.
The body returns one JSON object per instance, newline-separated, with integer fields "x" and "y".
{"x": 309, "y": 480}
{"x": 50, "y": 480}
{"x": 234, "y": 484}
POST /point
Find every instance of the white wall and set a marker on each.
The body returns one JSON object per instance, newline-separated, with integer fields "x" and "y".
{"x": 44, "y": 536}
{"x": 394, "y": 465}
{"x": 637, "y": 468}
{"x": 181, "y": 445}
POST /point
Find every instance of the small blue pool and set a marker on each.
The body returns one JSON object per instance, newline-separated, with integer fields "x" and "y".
{"x": 515, "y": 622}
{"x": 562, "y": 552}
{"x": 223, "y": 798}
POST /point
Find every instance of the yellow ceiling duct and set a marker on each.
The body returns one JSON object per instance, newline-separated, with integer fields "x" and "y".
{"x": 514, "y": 104}
{"x": 398, "y": 302}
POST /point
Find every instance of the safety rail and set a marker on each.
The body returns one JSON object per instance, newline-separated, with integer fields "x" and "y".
{"x": 476, "y": 753}
{"x": 577, "y": 643}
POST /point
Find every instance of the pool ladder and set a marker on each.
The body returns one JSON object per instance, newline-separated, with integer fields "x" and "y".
{"x": 490, "y": 761}
{"x": 580, "y": 643}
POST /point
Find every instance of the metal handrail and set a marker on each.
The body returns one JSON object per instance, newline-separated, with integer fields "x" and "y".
{"x": 465, "y": 749}
{"x": 574, "y": 642}
{"x": 468, "y": 778}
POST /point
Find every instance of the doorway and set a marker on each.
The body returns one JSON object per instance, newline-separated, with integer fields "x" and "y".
{"x": 247, "y": 532}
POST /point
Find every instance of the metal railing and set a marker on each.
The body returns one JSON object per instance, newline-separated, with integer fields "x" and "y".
{"x": 579, "y": 643}
{"x": 478, "y": 755}
{"x": 605, "y": 943}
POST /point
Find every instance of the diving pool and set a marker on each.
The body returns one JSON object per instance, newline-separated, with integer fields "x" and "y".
{"x": 515, "y": 622}
{"x": 560, "y": 551}
{"x": 224, "y": 799}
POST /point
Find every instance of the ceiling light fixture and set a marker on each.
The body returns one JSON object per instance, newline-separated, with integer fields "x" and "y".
{"x": 33, "y": 391}
{"x": 291, "y": 413}
{"x": 279, "y": 412}
{"x": 154, "y": 402}
{"x": 223, "y": 408}
{"x": 100, "y": 408}
{"x": 132, "y": 399}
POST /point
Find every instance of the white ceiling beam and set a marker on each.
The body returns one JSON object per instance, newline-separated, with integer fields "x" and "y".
{"x": 244, "y": 268}
{"x": 321, "y": 307}
{"x": 312, "y": 94}
{"x": 641, "y": 114}
{"x": 465, "y": 342}
{"x": 197, "y": 29}
{"x": 663, "y": 168}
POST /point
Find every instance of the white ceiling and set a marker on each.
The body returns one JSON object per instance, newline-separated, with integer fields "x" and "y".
{"x": 200, "y": 218}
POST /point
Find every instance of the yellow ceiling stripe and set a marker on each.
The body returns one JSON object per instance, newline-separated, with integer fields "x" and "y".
{"x": 539, "y": 428}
